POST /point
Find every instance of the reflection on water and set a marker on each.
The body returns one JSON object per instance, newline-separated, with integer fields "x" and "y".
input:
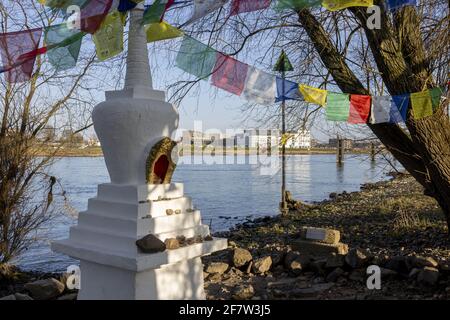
{"x": 225, "y": 193}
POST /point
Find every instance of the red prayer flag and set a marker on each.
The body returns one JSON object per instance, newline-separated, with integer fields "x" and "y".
{"x": 18, "y": 51}
{"x": 229, "y": 74}
{"x": 93, "y": 14}
{"x": 359, "y": 109}
{"x": 240, "y": 6}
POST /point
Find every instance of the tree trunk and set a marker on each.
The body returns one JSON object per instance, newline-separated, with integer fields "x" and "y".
{"x": 425, "y": 154}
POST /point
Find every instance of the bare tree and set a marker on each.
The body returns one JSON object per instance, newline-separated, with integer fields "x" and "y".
{"x": 338, "y": 50}
{"x": 50, "y": 99}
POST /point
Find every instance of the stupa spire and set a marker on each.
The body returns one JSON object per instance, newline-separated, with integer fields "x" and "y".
{"x": 138, "y": 72}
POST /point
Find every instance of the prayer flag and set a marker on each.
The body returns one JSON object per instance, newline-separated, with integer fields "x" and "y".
{"x": 93, "y": 14}
{"x": 229, "y": 74}
{"x": 109, "y": 38}
{"x": 62, "y": 4}
{"x": 314, "y": 95}
{"x": 161, "y": 31}
{"x": 338, "y": 106}
{"x": 64, "y": 46}
{"x": 297, "y": 4}
{"x": 291, "y": 90}
{"x": 422, "y": 104}
{"x": 334, "y": 5}
{"x": 381, "y": 109}
{"x": 196, "y": 58}
{"x": 359, "y": 108}
{"x": 127, "y": 5}
{"x": 401, "y": 103}
{"x": 241, "y": 6}
{"x": 436, "y": 94}
{"x": 156, "y": 11}
{"x": 397, "y": 4}
{"x": 19, "y": 50}
{"x": 204, "y": 7}
{"x": 260, "y": 87}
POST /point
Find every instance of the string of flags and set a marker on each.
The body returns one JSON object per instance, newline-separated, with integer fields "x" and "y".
{"x": 104, "y": 20}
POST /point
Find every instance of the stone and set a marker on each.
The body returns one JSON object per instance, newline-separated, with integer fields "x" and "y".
{"x": 334, "y": 275}
{"x": 262, "y": 265}
{"x": 421, "y": 262}
{"x": 356, "y": 258}
{"x": 329, "y": 236}
{"x": 277, "y": 257}
{"x": 428, "y": 276}
{"x": 357, "y": 275}
{"x": 21, "y": 296}
{"x": 243, "y": 292}
{"x": 150, "y": 244}
{"x": 318, "y": 249}
{"x": 169, "y": 212}
{"x": 171, "y": 244}
{"x": 45, "y": 289}
{"x": 217, "y": 267}
{"x": 240, "y": 257}
{"x": 296, "y": 263}
{"x": 312, "y": 291}
{"x": 318, "y": 266}
{"x": 249, "y": 268}
{"x": 335, "y": 261}
{"x": 388, "y": 274}
{"x": 69, "y": 297}
{"x": 181, "y": 240}
{"x": 414, "y": 272}
{"x": 208, "y": 238}
{"x": 10, "y": 297}
{"x": 398, "y": 263}
{"x": 178, "y": 211}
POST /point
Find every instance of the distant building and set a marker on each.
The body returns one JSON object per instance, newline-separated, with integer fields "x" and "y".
{"x": 197, "y": 138}
{"x": 299, "y": 140}
{"x": 47, "y": 134}
{"x": 348, "y": 143}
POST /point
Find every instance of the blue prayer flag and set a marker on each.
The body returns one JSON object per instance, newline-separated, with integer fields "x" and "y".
{"x": 397, "y": 4}
{"x": 401, "y": 103}
{"x": 291, "y": 90}
{"x": 126, "y": 5}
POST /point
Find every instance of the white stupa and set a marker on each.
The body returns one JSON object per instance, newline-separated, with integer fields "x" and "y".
{"x": 134, "y": 126}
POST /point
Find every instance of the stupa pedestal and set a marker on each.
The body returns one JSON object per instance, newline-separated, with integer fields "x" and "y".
{"x": 134, "y": 126}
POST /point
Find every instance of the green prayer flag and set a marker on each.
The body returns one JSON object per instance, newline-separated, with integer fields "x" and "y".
{"x": 436, "y": 94}
{"x": 64, "y": 46}
{"x": 338, "y": 106}
{"x": 283, "y": 64}
{"x": 196, "y": 58}
{"x": 297, "y": 4}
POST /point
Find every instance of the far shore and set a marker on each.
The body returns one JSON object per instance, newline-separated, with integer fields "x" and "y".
{"x": 95, "y": 151}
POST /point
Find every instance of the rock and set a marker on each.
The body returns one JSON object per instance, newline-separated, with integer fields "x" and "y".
{"x": 334, "y": 275}
{"x": 414, "y": 272}
{"x": 150, "y": 244}
{"x": 249, "y": 268}
{"x": 277, "y": 257}
{"x": 397, "y": 263}
{"x": 357, "y": 275}
{"x": 217, "y": 267}
{"x": 69, "y": 297}
{"x": 318, "y": 266}
{"x": 296, "y": 263}
{"x": 356, "y": 258}
{"x": 335, "y": 261}
{"x": 388, "y": 274}
{"x": 421, "y": 262}
{"x": 262, "y": 265}
{"x": 209, "y": 238}
{"x": 428, "y": 276}
{"x": 240, "y": 257}
{"x": 21, "y": 296}
{"x": 329, "y": 236}
{"x": 333, "y": 195}
{"x": 10, "y": 297}
{"x": 178, "y": 211}
{"x": 215, "y": 277}
{"x": 318, "y": 249}
{"x": 172, "y": 244}
{"x": 45, "y": 289}
{"x": 169, "y": 212}
{"x": 181, "y": 240}
{"x": 243, "y": 292}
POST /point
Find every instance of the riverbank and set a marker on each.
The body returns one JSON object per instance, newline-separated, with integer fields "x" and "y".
{"x": 390, "y": 224}
{"x": 94, "y": 151}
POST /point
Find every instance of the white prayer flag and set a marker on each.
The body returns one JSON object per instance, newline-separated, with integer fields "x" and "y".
{"x": 204, "y": 7}
{"x": 260, "y": 87}
{"x": 381, "y": 109}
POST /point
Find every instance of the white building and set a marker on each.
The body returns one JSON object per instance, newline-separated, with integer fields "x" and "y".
{"x": 299, "y": 140}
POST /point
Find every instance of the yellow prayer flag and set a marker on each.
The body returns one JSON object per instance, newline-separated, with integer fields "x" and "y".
{"x": 334, "y": 5}
{"x": 109, "y": 38}
{"x": 161, "y": 31}
{"x": 314, "y": 95}
{"x": 422, "y": 104}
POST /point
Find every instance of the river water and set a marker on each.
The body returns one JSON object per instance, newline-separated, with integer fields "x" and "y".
{"x": 226, "y": 194}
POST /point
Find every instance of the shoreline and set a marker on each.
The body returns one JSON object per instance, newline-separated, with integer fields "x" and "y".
{"x": 387, "y": 223}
